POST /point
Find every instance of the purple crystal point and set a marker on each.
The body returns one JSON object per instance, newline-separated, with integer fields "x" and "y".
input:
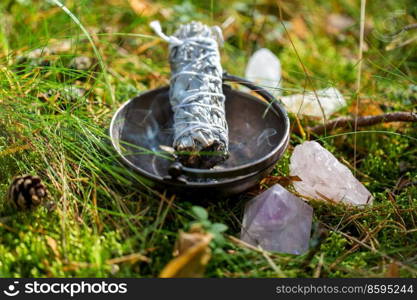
{"x": 278, "y": 221}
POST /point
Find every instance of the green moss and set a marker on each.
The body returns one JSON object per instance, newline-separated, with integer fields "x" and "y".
{"x": 106, "y": 212}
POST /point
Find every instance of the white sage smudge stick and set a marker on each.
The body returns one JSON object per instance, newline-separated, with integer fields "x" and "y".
{"x": 196, "y": 95}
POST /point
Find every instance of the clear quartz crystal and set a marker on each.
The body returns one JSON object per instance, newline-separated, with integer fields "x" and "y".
{"x": 278, "y": 221}
{"x": 264, "y": 69}
{"x": 324, "y": 177}
{"x": 326, "y": 101}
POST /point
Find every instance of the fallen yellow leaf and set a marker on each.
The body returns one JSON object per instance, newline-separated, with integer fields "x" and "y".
{"x": 299, "y": 27}
{"x": 143, "y": 7}
{"x": 53, "y": 245}
{"x": 193, "y": 254}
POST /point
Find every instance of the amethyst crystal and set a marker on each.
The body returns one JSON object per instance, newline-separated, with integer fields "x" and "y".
{"x": 278, "y": 221}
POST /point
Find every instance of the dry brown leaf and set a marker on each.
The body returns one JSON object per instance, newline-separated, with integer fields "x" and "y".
{"x": 299, "y": 27}
{"x": 130, "y": 258}
{"x": 393, "y": 271}
{"x": 193, "y": 254}
{"x": 14, "y": 149}
{"x": 142, "y": 48}
{"x": 367, "y": 107}
{"x": 45, "y": 14}
{"x": 53, "y": 245}
{"x": 282, "y": 180}
{"x": 143, "y": 7}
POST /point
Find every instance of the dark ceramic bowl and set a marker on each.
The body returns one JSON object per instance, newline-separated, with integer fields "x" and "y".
{"x": 258, "y": 137}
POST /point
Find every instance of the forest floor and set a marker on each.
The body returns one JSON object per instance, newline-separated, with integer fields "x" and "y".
{"x": 107, "y": 225}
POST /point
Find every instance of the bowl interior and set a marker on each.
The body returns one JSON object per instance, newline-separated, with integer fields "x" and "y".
{"x": 143, "y": 126}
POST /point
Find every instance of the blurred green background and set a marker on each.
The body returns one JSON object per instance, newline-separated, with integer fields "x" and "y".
{"x": 107, "y": 226}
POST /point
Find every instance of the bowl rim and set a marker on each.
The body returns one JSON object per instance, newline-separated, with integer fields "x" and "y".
{"x": 265, "y": 161}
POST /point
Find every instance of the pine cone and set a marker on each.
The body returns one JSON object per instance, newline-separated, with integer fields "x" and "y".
{"x": 26, "y": 192}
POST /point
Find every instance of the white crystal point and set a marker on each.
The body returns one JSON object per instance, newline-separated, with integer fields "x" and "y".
{"x": 264, "y": 69}
{"x": 324, "y": 177}
{"x": 276, "y": 220}
{"x": 331, "y": 100}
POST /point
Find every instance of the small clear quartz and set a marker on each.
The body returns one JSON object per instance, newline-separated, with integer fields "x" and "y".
{"x": 326, "y": 101}
{"x": 264, "y": 69}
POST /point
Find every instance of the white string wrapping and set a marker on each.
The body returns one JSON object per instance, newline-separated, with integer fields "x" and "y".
{"x": 196, "y": 95}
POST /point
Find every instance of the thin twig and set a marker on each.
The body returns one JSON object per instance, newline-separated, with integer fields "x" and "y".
{"x": 274, "y": 267}
{"x": 358, "y": 82}
{"x": 303, "y": 66}
{"x": 348, "y": 122}
{"x": 405, "y": 28}
{"x": 355, "y": 240}
{"x": 265, "y": 253}
{"x": 361, "y": 45}
{"x": 406, "y": 185}
{"x": 243, "y": 244}
{"x": 93, "y": 45}
{"x": 409, "y": 184}
{"x": 132, "y": 258}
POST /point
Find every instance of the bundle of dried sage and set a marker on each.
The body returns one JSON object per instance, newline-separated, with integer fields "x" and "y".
{"x": 196, "y": 95}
